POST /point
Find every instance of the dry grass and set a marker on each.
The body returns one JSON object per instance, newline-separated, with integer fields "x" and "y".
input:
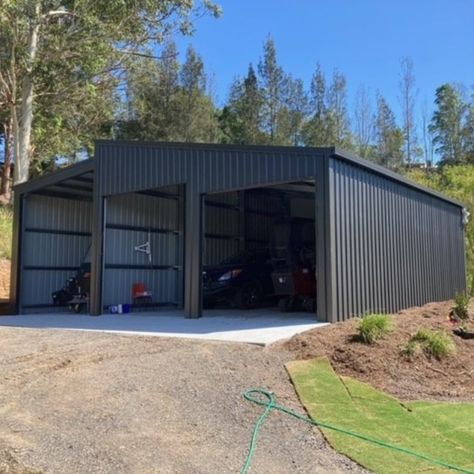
{"x": 6, "y": 220}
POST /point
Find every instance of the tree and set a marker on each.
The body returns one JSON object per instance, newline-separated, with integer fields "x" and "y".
{"x": 315, "y": 130}
{"x": 428, "y": 146}
{"x": 197, "y": 112}
{"x": 168, "y": 101}
{"x": 456, "y": 181}
{"x": 363, "y": 122}
{"x": 272, "y": 80}
{"x": 94, "y": 37}
{"x": 241, "y": 118}
{"x": 407, "y": 98}
{"x": 389, "y": 137}
{"x": 337, "y": 120}
{"x": 468, "y": 132}
{"x": 293, "y": 112}
{"x": 447, "y": 124}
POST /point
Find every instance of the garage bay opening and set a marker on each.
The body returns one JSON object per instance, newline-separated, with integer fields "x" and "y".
{"x": 259, "y": 249}
{"x": 56, "y": 246}
{"x": 143, "y": 250}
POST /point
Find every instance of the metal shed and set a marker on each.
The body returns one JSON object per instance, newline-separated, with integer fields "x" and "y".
{"x": 383, "y": 243}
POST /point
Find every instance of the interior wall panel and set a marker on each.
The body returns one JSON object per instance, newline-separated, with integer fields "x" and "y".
{"x": 56, "y": 240}
{"x": 132, "y": 220}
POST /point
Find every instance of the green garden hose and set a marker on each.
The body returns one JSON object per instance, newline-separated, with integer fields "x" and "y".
{"x": 267, "y": 399}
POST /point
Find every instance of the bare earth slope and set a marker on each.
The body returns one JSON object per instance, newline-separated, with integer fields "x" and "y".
{"x": 382, "y": 364}
{"x": 95, "y": 403}
{"x": 4, "y": 279}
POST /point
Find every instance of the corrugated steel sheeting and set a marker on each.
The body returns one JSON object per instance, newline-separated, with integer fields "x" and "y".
{"x": 392, "y": 246}
{"x": 132, "y": 219}
{"x": 382, "y": 243}
{"x": 129, "y": 166}
{"x": 56, "y": 239}
{"x": 222, "y": 221}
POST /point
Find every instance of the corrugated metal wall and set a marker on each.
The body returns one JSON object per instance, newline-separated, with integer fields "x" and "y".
{"x": 133, "y": 166}
{"x": 392, "y": 246}
{"x": 132, "y": 220}
{"x": 222, "y": 227}
{"x": 56, "y": 239}
{"x": 235, "y": 221}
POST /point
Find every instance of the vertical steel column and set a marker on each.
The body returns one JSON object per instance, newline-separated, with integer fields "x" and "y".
{"x": 97, "y": 247}
{"x": 323, "y": 258}
{"x": 194, "y": 213}
{"x": 16, "y": 273}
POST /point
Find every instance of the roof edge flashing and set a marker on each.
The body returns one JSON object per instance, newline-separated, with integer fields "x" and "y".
{"x": 56, "y": 176}
{"x": 216, "y": 146}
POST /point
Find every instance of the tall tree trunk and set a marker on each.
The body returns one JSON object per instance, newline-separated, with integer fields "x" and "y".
{"x": 5, "y": 185}
{"x": 23, "y": 118}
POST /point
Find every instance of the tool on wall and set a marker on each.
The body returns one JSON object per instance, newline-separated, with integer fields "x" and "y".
{"x": 145, "y": 248}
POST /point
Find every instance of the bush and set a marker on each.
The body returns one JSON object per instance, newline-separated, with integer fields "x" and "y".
{"x": 6, "y": 219}
{"x": 461, "y": 305}
{"x": 436, "y": 344}
{"x": 373, "y": 327}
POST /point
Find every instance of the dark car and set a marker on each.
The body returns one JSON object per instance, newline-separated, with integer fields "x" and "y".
{"x": 243, "y": 280}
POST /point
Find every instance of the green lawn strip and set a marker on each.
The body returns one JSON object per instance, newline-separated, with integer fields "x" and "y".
{"x": 357, "y": 406}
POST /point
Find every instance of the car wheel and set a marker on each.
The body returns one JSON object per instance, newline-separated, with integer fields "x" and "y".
{"x": 250, "y": 296}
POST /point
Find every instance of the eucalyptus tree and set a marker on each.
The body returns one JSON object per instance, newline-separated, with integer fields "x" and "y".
{"x": 91, "y": 39}
{"x": 407, "y": 98}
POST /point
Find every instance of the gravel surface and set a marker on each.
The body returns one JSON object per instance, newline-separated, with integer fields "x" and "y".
{"x": 73, "y": 402}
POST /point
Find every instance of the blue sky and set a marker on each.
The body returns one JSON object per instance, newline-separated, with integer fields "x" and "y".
{"x": 365, "y": 39}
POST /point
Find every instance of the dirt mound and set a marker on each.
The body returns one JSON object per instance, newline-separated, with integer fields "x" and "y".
{"x": 383, "y": 365}
{"x": 4, "y": 279}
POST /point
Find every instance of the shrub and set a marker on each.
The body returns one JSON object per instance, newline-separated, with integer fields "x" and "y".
{"x": 410, "y": 348}
{"x": 373, "y": 327}
{"x": 437, "y": 344}
{"x": 461, "y": 305}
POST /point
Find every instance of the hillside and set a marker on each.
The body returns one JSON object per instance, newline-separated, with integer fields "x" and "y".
{"x": 383, "y": 364}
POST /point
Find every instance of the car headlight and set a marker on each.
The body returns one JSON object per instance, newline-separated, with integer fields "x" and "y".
{"x": 229, "y": 275}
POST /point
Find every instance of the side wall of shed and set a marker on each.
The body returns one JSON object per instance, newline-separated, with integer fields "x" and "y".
{"x": 391, "y": 246}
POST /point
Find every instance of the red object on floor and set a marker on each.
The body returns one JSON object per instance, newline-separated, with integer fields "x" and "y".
{"x": 139, "y": 290}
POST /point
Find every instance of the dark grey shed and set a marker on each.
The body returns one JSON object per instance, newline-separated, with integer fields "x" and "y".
{"x": 383, "y": 243}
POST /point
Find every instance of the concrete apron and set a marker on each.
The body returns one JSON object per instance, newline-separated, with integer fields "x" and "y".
{"x": 261, "y": 327}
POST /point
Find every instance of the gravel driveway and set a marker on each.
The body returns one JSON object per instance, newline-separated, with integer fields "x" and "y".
{"x": 74, "y": 402}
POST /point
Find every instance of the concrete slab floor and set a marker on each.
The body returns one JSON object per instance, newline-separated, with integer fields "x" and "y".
{"x": 263, "y": 326}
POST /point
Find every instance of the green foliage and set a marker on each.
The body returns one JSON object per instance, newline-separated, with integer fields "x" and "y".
{"x": 374, "y": 327}
{"x": 329, "y": 123}
{"x": 456, "y": 181}
{"x": 436, "y": 344}
{"x": 168, "y": 100}
{"x": 272, "y": 83}
{"x": 241, "y": 118}
{"x": 6, "y": 220}
{"x": 440, "y": 430}
{"x": 389, "y": 137}
{"x": 73, "y": 72}
{"x": 461, "y": 305}
{"x": 452, "y": 126}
